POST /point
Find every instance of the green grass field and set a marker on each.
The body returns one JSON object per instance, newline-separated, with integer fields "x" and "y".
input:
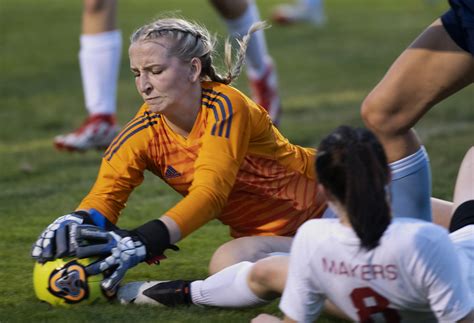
{"x": 324, "y": 76}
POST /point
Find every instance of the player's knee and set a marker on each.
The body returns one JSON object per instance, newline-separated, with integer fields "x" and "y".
{"x": 93, "y": 6}
{"x": 223, "y": 257}
{"x": 380, "y": 114}
{"x": 261, "y": 273}
{"x": 217, "y": 262}
{"x": 267, "y": 278}
{"x": 232, "y": 252}
{"x": 372, "y": 112}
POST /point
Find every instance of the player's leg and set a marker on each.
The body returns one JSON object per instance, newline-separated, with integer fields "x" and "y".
{"x": 101, "y": 46}
{"x": 99, "y": 58}
{"x": 232, "y": 273}
{"x": 464, "y": 194}
{"x": 431, "y": 69}
{"x": 243, "y": 273}
{"x": 247, "y": 249}
{"x": 311, "y": 11}
{"x": 462, "y": 236}
{"x": 464, "y": 188}
{"x": 442, "y": 211}
{"x": 239, "y": 15}
{"x": 241, "y": 285}
{"x": 462, "y": 221}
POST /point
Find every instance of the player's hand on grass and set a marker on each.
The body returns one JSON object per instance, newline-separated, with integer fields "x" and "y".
{"x": 55, "y": 241}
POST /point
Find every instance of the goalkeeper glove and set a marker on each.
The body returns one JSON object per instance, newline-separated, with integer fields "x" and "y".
{"x": 123, "y": 249}
{"x": 57, "y": 240}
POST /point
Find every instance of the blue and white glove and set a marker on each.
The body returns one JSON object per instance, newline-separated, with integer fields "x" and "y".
{"x": 58, "y": 240}
{"x": 122, "y": 249}
{"x": 124, "y": 252}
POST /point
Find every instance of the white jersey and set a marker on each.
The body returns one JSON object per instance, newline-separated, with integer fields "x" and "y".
{"x": 412, "y": 276}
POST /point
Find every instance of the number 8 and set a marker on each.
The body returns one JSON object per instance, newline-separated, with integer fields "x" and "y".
{"x": 364, "y": 312}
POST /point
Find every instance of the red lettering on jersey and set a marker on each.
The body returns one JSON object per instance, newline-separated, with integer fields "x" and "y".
{"x": 354, "y": 270}
{"x": 332, "y": 268}
{"x": 366, "y": 272}
{"x": 391, "y": 272}
{"x": 378, "y": 270}
{"x": 343, "y": 269}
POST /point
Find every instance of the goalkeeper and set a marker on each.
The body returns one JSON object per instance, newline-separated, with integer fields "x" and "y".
{"x": 208, "y": 141}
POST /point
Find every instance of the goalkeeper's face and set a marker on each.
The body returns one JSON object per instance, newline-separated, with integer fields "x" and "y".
{"x": 162, "y": 80}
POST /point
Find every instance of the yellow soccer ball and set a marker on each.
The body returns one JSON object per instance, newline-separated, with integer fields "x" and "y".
{"x": 64, "y": 282}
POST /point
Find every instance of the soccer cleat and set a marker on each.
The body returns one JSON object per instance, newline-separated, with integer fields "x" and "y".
{"x": 265, "y": 92}
{"x": 162, "y": 293}
{"x": 97, "y": 132}
{"x": 290, "y": 14}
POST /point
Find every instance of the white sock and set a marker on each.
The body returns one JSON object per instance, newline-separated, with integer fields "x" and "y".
{"x": 99, "y": 58}
{"x": 257, "y": 53}
{"x": 227, "y": 288}
{"x": 411, "y": 186}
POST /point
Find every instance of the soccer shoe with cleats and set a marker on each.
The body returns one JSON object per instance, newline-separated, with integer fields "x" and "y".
{"x": 161, "y": 293}
{"x": 289, "y": 14}
{"x": 97, "y": 132}
{"x": 265, "y": 92}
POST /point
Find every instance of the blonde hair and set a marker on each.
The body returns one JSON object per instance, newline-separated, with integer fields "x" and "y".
{"x": 193, "y": 40}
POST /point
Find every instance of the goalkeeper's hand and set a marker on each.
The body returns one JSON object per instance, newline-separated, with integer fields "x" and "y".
{"x": 122, "y": 249}
{"x": 122, "y": 252}
{"x": 58, "y": 240}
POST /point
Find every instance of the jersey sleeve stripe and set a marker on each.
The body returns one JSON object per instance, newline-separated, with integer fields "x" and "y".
{"x": 216, "y": 116}
{"x": 225, "y": 105}
{"x": 224, "y": 117}
{"x": 126, "y": 128}
{"x": 231, "y": 113}
{"x": 124, "y": 137}
{"x": 133, "y": 123}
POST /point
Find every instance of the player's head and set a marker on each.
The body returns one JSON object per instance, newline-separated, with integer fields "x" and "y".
{"x": 190, "y": 40}
{"x": 352, "y": 167}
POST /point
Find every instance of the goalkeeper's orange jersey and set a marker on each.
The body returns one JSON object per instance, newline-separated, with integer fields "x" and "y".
{"x": 234, "y": 166}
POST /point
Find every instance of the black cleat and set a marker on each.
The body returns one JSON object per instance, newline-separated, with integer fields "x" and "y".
{"x": 162, "y": 293}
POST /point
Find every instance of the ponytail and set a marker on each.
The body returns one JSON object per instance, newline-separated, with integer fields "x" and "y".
{"x": 193, "y": 40}
{"x": 352, "y": 166}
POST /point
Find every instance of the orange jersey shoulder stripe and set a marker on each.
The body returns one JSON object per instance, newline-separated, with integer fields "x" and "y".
{"x": 142, "y": 122}
{"x": 221, "y": 106}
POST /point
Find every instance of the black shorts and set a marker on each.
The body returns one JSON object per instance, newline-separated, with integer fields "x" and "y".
{"x": 459, "y": 23}
{"x": 464, "y": 215}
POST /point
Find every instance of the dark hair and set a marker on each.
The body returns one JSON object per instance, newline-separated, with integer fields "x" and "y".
{"x": 351, "y": 164}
